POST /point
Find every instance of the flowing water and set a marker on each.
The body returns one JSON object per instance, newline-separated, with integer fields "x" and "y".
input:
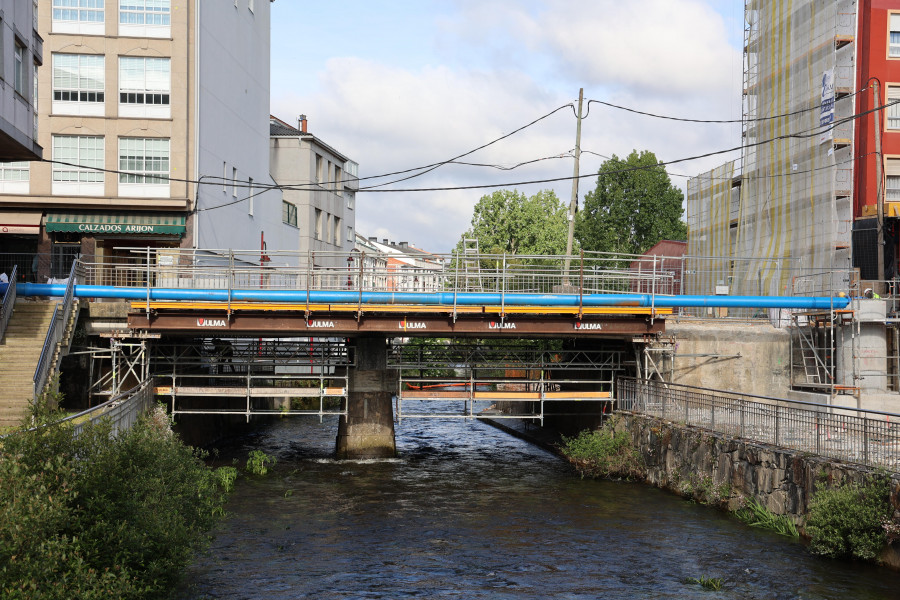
{"x": 467, "y": 512}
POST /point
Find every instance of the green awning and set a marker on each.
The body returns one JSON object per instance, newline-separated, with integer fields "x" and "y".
{"x": 117, "y": 223}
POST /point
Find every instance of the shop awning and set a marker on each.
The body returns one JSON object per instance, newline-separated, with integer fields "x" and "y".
{"x": 20, "y": 222}
{"x": 117, "y": 223}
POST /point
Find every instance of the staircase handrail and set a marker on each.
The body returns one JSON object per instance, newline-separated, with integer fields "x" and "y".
{"x": 9, "y": 300}
{"x": 122, "y": 410}
{"x": 55, "y": 331}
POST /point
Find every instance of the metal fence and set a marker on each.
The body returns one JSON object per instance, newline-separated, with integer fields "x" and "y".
{"x": 586, "y": 273}
{"x": 122, "y": 410}
{"x": 866, "y": 437}
{"x": 56, "y": 331}
{"x": 8, "y": 302}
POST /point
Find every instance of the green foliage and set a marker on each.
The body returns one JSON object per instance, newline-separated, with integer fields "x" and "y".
{"x": 604, "y": 453}
{"x": 258, "y": 462}
{"x": 710, "y": 583}
{"x": 755, "y": 514}
{"x": 633, "y": 207}
{"x": 226, "y": 477}
{"x": 507, "y": 221}
{"x": 100, "y": 517}
{"x": 847, "y": 520}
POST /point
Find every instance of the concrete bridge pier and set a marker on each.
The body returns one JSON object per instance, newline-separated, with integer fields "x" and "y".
{"x": 367, "y": 431}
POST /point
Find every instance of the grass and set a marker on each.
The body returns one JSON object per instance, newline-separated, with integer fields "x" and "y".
{"x": 604, "y": 453}
{"x": 708, "y": 583}
{"x": 755, "y": 514}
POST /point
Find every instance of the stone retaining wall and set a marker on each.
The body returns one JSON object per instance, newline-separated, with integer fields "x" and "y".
{"x": 714, "y": 469}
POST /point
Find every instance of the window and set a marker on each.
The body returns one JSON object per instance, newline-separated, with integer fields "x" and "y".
{"x": 144, "y": 162}
{"x": 78, "y": 16}
{"x": 893, "y": 110}
{"x": 224, "y": 178}
{"x": 19, "y": 77}
{"x": 351, "y": 200}
{"x": 318, "y": 174}
{"x": 892, "y": 179}
{"x": 78, "y": 84}
{"x": 337, "y": 231}
{"x": 14, "y": 171}
{"x": 338, "y": 184}
{"x": 318, "y": 231}
{"x": 894, "y": 39}
{"x": 349, "y": 233}
{"x": 251, "y": 5}
{"x": 234, "y": 182}
{"x": 144, "y": 87}
{"x": 289, "y": 213}
{"x": 250, "y": 196}
{"x": 145, "y": 18}
{"x": 83, "y": 154}
{"x": 14, "y": 177}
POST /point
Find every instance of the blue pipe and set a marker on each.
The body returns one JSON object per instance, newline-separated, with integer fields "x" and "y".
{"x": 434, "y": 298}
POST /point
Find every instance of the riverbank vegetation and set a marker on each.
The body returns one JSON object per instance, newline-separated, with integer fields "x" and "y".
{"x": 95, "y": 516}
{"x": 755, "y": 514}
{"x": 851, "y": 520}
{"x": 604, "y": 452}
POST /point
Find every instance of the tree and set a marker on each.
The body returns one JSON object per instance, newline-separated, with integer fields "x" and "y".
{"x": 507, "y": 221}
{"x": 633, "y": 207}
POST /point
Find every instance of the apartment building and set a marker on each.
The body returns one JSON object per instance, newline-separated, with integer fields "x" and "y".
{"x": 21, "y": 53}
{"x": 319, "y": 186}
{"x": 819, "y": 167}
{"x": 139, "y": 101}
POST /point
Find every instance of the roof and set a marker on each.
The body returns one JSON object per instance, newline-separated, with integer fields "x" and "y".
{"x": 278, "y": 128}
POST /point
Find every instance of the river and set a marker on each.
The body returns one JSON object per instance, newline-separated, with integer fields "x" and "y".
{"x": 467, "y": 512}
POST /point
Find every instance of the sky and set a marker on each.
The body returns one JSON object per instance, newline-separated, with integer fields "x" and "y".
{"x": 401, "y": 84}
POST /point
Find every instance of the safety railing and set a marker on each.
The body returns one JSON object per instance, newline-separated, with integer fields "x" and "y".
{"x": 481, "y": 397}
{"x": 866, "y": 437}
{"x": 55, "y": 332}
{"x": 9, "y": 301}
{"x": 122, "y": 411}
{"x": 505, "y": 274}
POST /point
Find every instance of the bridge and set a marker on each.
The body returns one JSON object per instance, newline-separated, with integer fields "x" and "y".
{"x": 244, "y": 333}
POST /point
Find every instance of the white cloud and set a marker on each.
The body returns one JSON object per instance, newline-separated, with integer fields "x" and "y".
{"x": 503, "y": 64}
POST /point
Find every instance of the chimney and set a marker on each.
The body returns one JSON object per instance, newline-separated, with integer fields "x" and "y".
{"x": 373, "y": 239}
{"x": 385, "y": 242}
{"x": 302, "y": 119}
{"x": 403, "y": 244}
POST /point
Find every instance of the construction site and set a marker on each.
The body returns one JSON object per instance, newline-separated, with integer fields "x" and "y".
{"x": 807, "y": 206}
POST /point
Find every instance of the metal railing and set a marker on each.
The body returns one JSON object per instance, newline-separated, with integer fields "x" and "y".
{"x": 122, "y": 410}
{"x": 55, "y": 332}
{"x": 9, "y": 301}
{"x": 506, "y": 274}
{"x": 866, "y": 437}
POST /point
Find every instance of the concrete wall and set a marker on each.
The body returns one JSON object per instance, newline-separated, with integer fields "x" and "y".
{"x": 763, "y": 367}
{"x": 233, "y": 128}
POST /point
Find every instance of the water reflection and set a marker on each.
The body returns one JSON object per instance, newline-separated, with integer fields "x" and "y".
{"x": 470, "y": 512}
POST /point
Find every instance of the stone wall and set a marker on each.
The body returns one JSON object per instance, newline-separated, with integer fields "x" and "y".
{"x": 715, "y": 469}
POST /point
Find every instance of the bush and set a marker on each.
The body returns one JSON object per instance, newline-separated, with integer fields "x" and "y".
{"x": 847, "y": 520}
{"x": 100, "y": 517}
{"x": 258, "y": 462}
{"x": 604, "y": 453}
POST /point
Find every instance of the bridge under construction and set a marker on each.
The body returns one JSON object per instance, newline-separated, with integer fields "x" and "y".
{"x": 220, "y": 333}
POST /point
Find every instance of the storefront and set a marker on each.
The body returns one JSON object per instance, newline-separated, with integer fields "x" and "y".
{"x": 19, "y": 232}
{"x": 109, "y": 238}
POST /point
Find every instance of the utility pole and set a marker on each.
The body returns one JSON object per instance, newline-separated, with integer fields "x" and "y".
{"x": 573, "y": 203}
{"x": 878, "y": 191}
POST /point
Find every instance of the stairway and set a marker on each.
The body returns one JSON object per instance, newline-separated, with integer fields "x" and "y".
{"x": 20, "y": 351}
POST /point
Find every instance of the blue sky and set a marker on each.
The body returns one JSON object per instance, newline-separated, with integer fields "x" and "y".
{"x": 400, "y": 84}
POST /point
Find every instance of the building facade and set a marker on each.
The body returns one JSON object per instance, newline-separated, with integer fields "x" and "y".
{"x": 797, "y": 214}
{"x": 319, "y": 187}
{"x": 21, "y": 53}
{"x": 131, "y": 107}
